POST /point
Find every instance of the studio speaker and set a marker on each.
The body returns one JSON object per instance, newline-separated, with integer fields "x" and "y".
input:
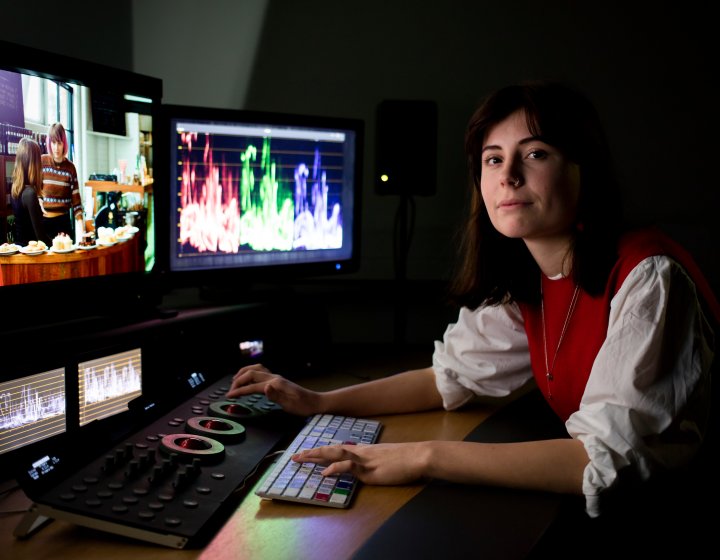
{"x": 406, "y": 147}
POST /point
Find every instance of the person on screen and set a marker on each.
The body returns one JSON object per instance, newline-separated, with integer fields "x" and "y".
{"x": 25, "y": 193}
{"x": 61, "y": 192}
{"x": 607, "y": 320}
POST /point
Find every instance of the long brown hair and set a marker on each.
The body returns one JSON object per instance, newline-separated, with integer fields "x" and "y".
{"x": 495, "y": 269}
{"x": 28, "y": 167}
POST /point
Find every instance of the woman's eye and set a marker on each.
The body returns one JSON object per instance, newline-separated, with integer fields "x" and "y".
{"x": 537, "y": 154}
{"x": 491, "y": 160}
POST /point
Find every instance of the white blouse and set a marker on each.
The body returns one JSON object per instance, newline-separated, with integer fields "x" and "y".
{"x": 647, "y": 399}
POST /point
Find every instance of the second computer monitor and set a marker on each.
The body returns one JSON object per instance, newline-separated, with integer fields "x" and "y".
{"x": 263, "y": 193}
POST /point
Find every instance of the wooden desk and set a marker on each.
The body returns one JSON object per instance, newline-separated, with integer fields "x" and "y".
{"x": 258, "y": 528}
{"x": 262, "y": 529}
{"x": 126, "y": 256}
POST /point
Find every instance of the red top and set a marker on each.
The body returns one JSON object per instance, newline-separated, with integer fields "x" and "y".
{"x": 588, "y": 325}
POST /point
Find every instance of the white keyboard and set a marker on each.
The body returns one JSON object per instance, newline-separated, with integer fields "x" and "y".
{"x": 302, "y": 482}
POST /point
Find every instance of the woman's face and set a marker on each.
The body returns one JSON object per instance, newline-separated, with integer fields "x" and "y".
{"x": 58, "y": 150}
{"x": 530, "y": 188}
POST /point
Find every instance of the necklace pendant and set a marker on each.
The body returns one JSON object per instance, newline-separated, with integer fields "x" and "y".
{"x": 549, "y": 376}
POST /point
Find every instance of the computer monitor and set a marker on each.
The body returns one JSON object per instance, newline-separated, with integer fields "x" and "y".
{"x": 109, "y": 116}
{"x": 259, "y": 196}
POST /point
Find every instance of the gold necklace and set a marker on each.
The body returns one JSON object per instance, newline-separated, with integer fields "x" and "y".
{"x": 571, "y": 310}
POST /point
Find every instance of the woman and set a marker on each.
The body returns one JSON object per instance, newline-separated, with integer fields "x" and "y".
{"x": 550, "y": 288}
{"x": 61, "y": 194}
{"x": 25, "y": 191}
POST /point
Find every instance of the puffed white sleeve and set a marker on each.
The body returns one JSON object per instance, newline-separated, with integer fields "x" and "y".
{"x": 646, "y": 403}
{"x": 484, "y": 353}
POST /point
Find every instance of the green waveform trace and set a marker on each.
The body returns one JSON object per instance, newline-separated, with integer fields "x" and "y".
{"x": 267, "y": 210}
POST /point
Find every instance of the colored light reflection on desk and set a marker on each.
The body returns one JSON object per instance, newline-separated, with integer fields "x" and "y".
{"x": 284, "y": 530}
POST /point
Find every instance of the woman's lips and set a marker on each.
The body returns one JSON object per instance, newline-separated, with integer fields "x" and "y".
{"x": 513, "y": 203}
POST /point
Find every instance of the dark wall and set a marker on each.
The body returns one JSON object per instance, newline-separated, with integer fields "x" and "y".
{"x": 95, "y": 31}
{"x": 648, "y": 68}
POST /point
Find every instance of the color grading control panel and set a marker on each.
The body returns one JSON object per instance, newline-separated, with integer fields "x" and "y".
{"x": 174, "y": 482}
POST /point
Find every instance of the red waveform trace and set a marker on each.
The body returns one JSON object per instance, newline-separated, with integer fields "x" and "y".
{"x": 209, "y": 211}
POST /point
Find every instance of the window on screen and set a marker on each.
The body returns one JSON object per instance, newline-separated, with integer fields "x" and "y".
{"x": 32, "y": 408}
{"x": 107, "y": 384}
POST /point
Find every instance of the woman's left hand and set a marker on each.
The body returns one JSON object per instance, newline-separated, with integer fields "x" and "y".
{"x": 380, "y": 463}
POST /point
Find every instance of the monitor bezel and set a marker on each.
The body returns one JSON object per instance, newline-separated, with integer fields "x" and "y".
{"x": 249, "y": 276}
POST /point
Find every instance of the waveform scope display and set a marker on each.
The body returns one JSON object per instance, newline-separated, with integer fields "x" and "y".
{"x": 32, "y": 408}
{"x": 255, "y": 195}
{"x": 106, "y": 385}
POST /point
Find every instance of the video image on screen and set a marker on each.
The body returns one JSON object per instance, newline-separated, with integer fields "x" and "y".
{"x": 105, "y": 182}
{"x": 32, "y": 408}
{"x": 250, "y": 194}
{"x": 106, "y": 385}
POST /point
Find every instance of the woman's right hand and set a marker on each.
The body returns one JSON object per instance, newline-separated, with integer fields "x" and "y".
{"x": 293, "y": 398}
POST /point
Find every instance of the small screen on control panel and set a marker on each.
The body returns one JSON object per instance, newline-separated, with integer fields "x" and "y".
{"x": 32, "y": 408}
{"x": 107, "y": 384}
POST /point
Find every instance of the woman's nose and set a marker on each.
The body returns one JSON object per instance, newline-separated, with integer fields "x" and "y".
{"x": 512, "y": 181}
{"x": 512, "y": 176}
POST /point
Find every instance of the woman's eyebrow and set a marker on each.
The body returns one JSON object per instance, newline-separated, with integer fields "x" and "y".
{"x": 521, "y": 142}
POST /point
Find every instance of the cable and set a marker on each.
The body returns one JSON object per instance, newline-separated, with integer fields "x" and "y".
{"x": 403, "y": 232}
{"x": 9, "y": 489}
{"x": 241, "y": 486}
{"x": 4, "y": 495}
